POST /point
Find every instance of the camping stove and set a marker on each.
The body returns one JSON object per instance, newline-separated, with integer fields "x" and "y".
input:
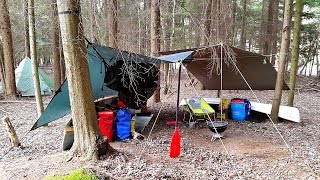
{"x": 217, "y": 127}
{"x": 216, "y": 136}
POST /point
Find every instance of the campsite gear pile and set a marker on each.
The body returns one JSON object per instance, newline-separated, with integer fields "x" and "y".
{"x": 240, "y": 109}
{"x": 117, "y": 122}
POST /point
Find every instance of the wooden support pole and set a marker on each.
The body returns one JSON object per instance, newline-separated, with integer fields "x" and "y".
{"x": 12, "y": 133}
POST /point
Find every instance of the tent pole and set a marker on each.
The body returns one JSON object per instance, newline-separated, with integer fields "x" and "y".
{"x": 178, "y": 96}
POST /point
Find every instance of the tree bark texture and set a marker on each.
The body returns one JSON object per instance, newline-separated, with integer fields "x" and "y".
{"x": 5, "y": 31}
{"x": 274, "y": 41}
{"x": 33, "y": 54}
{"x": 263, "y": 26}
{"x": 171, "y": 39}
{"x": 56, "y": 46}
{"x": 268, "y": 36}
{"x": 283, "y": 54}
{"x": 112, "y": 23}
{"x": 243, "y": 38}
{"x": 62, "y": 62}
{"x": 93, "y": 25}
{"x": 11, "y": 132}
{"x": 155, "y": 40}
{"x": 89, "y": 142}
{"x": 207, "y": 33}
{"x": 295, "y": 49}
{"x": 207, "y": 24}
{"x": 223, "y": 14}
{"x": 234, "y": 31}
{"x": 26, "y": 29}
{"x": 2, "y": 73}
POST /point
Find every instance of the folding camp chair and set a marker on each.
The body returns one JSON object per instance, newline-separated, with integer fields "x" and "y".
{"x": 199, "y": 109}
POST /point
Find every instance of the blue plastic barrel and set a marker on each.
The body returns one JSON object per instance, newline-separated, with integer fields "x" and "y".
{"x": 238, "y": 111}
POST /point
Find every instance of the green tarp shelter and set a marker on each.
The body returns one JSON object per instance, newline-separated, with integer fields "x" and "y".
{"x": 24, "y": 81}
{"x": 100, "y": 59}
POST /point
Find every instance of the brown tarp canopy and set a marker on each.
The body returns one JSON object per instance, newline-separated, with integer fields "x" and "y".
{"x": 256, "y": 69}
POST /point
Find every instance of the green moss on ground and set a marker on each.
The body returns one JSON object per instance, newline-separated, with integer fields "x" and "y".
{"x": 75, "y": 175}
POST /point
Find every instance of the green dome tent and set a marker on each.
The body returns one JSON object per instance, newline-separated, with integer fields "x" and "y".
{"x": 24, "y": 81}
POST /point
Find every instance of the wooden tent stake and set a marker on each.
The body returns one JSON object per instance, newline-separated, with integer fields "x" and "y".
{"x": 12, "y": 133}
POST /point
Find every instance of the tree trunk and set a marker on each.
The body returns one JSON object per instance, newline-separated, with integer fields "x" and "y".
{"x": 263, "y": 26}
{"x": 295, "y": 49}
{"x": 62, "y": 62}
{"x": 33, "y": 54}
{"x": 268, "y": 36}
{"x": 207, "y": 24}
{"x": 140, "y": 30}
{"x": 166, "y": 65}
{"x": 274, "y": 40}
{"x": 155, "y": 40}
{"x": 93, "y": 27}
{"x": 318, "y": 67}
{"x": 112, "y": 23}
{"x": 5, "y": 32}
{"x": 243, "y": 38}
{"x": 56, "y": 46}
{"x": 89, "y": 142}
{"x": 207, "y": 33}
{"x": 26, "y": 29}
{"x": 234, "y": 30}
{"x": 283, "y": 53}
{"x": 2, "y": 73}
{"x": 147, "y": 39}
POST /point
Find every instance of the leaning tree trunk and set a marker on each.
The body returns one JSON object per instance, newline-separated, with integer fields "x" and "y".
{"x": 56, "y": 46}
{"x": 33, "y": 54}
{"x": 283, "y": 53}
{"x": 112, "y": 23}
{"x": 295, "y": 50}
{"x": 89, "y": 142}
{"x": 5, "y": 32}
{"x": 155, "y": 40}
